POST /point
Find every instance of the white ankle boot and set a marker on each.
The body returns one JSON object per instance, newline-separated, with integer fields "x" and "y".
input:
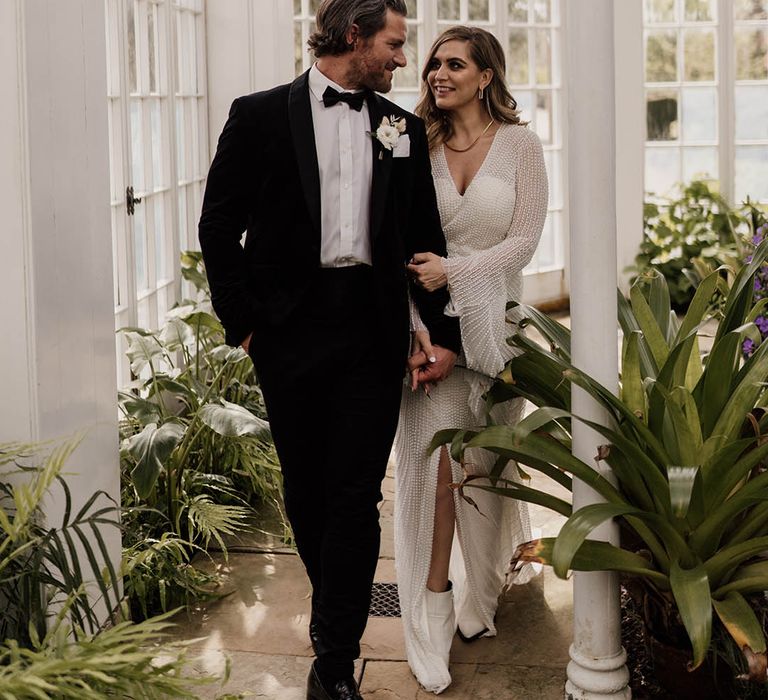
{"x": 441, "y": 621}
{"x": 471, "y": 626}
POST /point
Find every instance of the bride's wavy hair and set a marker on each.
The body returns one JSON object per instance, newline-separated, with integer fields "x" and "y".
{"x": 335, "y": 18}
{"x": 486, "y": 52}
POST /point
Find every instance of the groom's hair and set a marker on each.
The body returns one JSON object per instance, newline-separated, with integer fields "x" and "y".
{"x": 335, "y": 17}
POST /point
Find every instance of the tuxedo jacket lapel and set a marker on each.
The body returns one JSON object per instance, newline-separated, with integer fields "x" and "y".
{"x": 303, "y": 135}
{"x": 382, "y": 167}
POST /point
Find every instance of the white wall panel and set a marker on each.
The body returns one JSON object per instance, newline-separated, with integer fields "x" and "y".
{"x": 57, "y": 309}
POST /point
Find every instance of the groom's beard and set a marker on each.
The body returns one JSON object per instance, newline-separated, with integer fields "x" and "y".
{"x": 368, "y": 72}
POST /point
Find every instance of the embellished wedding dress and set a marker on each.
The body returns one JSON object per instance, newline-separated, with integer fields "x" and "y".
{"x": 492, "y": 232}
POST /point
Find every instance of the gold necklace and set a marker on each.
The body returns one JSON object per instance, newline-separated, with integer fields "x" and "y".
{"x": 464, "y": 150}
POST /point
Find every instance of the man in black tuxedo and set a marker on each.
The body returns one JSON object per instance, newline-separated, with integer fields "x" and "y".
{"x": 333, "y": 207}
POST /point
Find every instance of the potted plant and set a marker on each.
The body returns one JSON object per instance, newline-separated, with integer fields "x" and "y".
{"x": 686, "y": 441}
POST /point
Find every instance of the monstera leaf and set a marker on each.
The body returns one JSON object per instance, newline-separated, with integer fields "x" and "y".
{"x": 151, "y": 449}
{"x": 230, "y": 420}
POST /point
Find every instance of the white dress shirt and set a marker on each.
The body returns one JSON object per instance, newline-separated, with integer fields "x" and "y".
{"x": 345, "y": 161}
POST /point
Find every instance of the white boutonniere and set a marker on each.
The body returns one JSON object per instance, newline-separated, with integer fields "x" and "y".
{"x": 388, "y": 133}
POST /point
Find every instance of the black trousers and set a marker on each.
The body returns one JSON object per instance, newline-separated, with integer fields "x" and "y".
{"x": 331, "y": 379}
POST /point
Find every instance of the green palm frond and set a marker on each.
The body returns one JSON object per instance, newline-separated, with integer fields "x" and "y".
{"x": 120, "y": 662}
{"x": 208, "y": 520}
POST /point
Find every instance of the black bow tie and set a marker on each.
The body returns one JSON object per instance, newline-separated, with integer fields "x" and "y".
{"x": 353, "y": 99}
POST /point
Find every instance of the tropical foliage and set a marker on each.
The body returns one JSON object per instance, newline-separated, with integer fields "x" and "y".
{"x": 197, "y": 453}
{"x": 686, "y": 442}
{"x": 54, "y": 645}
{"x": 759, "y": 225}
{"x": 686, "y": 238}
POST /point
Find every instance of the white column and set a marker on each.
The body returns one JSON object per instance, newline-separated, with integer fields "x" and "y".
{"x": 630, "y": 132}
{"x": 597, "y": 668}
{"x": 58, "y": 348}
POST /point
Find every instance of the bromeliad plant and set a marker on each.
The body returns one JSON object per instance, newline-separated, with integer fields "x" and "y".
{"x": 686, "y": 441}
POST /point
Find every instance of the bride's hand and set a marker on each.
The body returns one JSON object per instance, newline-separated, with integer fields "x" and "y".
{"x": 427, "y": 271}
{"x": 421, "y": 352}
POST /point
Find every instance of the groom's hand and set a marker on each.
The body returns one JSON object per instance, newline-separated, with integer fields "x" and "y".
{"x": 246, "y": 343}
{"x": 427, "y": 372}
{"x": 427, "y": 271}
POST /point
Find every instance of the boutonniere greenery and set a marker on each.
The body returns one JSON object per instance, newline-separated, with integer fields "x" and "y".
{"x": 388, "y": 133}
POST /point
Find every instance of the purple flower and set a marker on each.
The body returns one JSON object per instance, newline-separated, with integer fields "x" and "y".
{"x": 748, "y": 259}
{"x": 748, "y": 347}
{"x": 762, "y": 323}
{"x": 758, "y": 285}
{"x": 758, "y": 238}
{"x": 762, "y": 230}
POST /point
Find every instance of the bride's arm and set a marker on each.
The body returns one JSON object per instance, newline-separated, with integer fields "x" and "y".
{"x": 473, "y": 280}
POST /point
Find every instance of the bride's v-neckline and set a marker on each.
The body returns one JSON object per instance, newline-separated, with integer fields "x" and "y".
{"x": 477, "y": 172}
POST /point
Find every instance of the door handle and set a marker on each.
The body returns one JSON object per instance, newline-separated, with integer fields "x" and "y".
{"x": 131, "y": 201}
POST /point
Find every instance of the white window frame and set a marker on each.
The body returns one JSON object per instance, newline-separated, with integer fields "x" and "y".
{"x": 179, "y": 193}
{"x": 725, "y": 84}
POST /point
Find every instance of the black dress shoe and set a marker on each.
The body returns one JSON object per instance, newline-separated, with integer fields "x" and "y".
{"x": 342, "y": 690}
{"x": 314, "y": 637}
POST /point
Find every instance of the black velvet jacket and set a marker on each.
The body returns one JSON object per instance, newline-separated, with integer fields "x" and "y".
{"x": 264, "y": 180}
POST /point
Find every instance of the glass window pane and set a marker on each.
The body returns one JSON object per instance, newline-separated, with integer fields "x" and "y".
{"x": 409, "y": 75}
{"x": 151, "y": 48}
{"x": 699, "y": 114}
{"x": 699, "y": 164}
{"x": 699, "y": 10}
{"x": 448, "y": 9}
{"x": 182, "y": 213}
{"x": 517, "y": 58}
{"x": 160, "y": 240}
{"x": 751, "y": 53}
{"x": 181, "y": 140}
{"x": 553, "y": 160}
{"x": 544, "y": 116}
{"x": 545, "y": 253}
{"x": 543, "y": 57}
{"x": 413, "y": 10}
{"x": 479, "y": 11}
{"x": 524, "y": 100}
{"x": 137, "y": 146}
{"x": 661, "y": 56}
{"x": 662, "y": 170}
{"x": 140, "y": 247}
{"x": 751, "y": 9}
{"x": 751, "y": 173}
{"x": 296, "y": 8}
{"x": 157, "y": 143}
{"x": 699, "y": 54}
{"x": 298, "y": 49}
{"x": 518, "y": 10}
{"x": 542, "y": 11}
{"x": 662, "y": 115}
{"x": 406, "y": 100}
{"x": 660, "y": 11}
{"x": 314, "y": 6}
{"x": 132, "y": 71}
{"x": 751, "y": 111}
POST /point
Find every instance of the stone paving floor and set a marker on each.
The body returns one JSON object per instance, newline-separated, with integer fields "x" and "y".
{"x": 261, "y": 627}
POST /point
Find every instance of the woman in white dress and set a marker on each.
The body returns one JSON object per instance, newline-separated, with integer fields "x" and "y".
{"x": 491, "y": 187}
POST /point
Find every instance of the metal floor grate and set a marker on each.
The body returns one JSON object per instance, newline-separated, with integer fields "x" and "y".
{"x": 384, "y": 600}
